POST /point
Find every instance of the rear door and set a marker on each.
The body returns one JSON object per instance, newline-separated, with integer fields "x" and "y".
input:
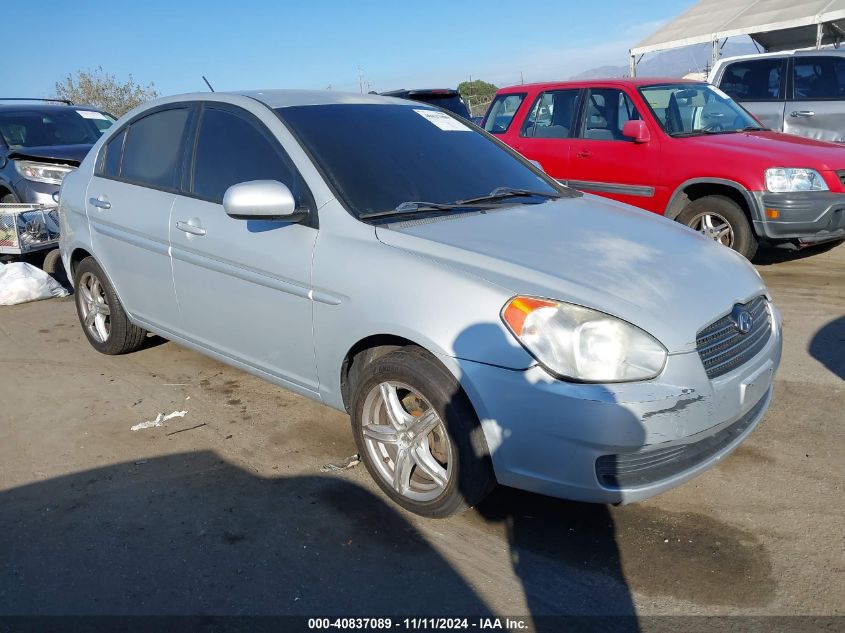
{"x": 244, "y": 285}
{"x": 545, "y": 133}
{"x": 760, "y": 86}
{"x": 817, "y": 107}
{"x": 129, "y": 201}
{"x": 605, "y": 162}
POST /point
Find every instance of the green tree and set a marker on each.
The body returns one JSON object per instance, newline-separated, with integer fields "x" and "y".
{"x": 477, "y": 94}
{"x": 102, "y": 90}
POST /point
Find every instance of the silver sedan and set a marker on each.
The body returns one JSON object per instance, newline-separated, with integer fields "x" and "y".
{"x": 479, "y": 322}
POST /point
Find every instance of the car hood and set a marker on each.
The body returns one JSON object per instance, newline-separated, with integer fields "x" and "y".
{"x": 776, "y": 149}
{"x": 64, "y": 154}
{"x": 640, "y": 267}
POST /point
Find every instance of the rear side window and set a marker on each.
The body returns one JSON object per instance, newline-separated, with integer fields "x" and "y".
{"x": 231, "y": 149}
{"x": 608, "y": 110}
{"x": 819, "y": 78}
{"x": 753, "y": 80}
{"x": 552, "y": 116}
{"x": 501, "y": 112}
{"x": 151, "y": 149}
{"x": 114, "y": 150}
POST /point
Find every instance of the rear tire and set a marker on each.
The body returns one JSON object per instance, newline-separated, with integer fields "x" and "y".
{"x": 101, "y": 315}
{"x": 433, "y": 437}
{"x": 9, "y": 198}
{"x": 722, "y": 220}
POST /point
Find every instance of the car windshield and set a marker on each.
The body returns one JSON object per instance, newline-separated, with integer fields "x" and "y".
{"x": 55, "y": 126}
{"x": 382, "y": 158}
{"x": 696, "y": 109}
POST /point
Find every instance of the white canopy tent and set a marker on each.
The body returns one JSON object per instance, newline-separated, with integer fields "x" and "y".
{"x": 775, "y": 25}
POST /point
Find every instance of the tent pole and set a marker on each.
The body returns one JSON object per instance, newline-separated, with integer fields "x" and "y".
{"x": 632, "y": 67}
{"x": 715, "y": 52}
{"x": 819, "y": 34}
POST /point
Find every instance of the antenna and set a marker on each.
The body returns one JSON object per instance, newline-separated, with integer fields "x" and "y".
{"x": 207, "y": 84}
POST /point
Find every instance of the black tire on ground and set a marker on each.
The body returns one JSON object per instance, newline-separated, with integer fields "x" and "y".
{"x": 744, "y": 240}
{"x": 9, "y": 198}
{"x": 124, "y": 336}
{"x": 472, "y": 476}
{"x": 52, "y": 262}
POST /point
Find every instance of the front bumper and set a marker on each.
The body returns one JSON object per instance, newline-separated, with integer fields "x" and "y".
{"x": 557, "y": 438}
{"x": 810, "y": 217}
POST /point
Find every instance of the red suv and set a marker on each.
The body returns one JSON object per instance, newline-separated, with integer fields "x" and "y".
{"x": 683, "y": 149}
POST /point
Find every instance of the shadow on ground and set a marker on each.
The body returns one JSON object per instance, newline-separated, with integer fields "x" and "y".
{"x": 193, "y": 534}
{"x": 768, "y": 255}
{"x": 828, "y": 346}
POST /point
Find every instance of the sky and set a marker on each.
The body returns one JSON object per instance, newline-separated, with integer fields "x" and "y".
{"x": 250, "y": 44}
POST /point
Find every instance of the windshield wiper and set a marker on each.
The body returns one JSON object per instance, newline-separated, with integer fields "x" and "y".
{"x": 502, "y": 193}
{"x": 414, "y": 206}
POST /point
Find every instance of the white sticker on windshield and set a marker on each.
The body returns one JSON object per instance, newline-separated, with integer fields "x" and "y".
{"x": 443, "y": 121}
{"x": 91, "y": 114}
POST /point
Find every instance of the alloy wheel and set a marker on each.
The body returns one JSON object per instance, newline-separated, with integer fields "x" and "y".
{"x": 714, "y": 226}
{"x": 94, "y": 306}
{"x": 407, "y": 441}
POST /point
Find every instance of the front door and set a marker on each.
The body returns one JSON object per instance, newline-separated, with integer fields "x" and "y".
{"x": 760, "y": 86}
{"x": 129, "y": 202}
{"x": 817, "y": 107}
{"x": 546, "y": 132}
{"x": 603, "y": 161}
{"x": 243, "y": 285}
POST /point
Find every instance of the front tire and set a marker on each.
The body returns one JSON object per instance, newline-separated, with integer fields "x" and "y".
{"x": 418, "y": 434}
{"x": 722, "y": 220}
{"x": 103, "y": 319}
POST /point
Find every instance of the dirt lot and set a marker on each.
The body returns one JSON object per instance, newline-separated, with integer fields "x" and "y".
{"x": 225, "y": 511}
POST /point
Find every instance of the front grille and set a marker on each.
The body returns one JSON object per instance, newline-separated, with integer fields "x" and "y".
{"x": 722, "y": 347}
{"x": 640, "y": 469}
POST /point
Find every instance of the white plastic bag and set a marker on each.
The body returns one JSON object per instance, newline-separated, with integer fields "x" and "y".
{"x": 21, "y": 282}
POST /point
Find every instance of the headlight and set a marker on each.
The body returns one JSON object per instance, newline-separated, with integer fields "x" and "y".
{"x": 789, "y": 179}
{"x": 42, "y": 172}
{"x": 582, "y": 344}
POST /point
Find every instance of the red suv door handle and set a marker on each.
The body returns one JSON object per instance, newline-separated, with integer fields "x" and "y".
{"x": 584, "y": 153}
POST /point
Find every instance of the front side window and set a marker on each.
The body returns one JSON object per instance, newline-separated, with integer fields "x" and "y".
{"x": 377, "y": 157}
{"x": 151, "y": 149}
{"x": 819, "y": 78}
{"x": 753, "y": 80}
{"x": 114, "y": 151}
{"x": 608, "y": 110}
{"x": 690, "y": 109}
{"x": 230, "y": 150}
{"x": 501, "y": 113}
{"x": 55, "y": 126}
{"x": 552, "y": 115}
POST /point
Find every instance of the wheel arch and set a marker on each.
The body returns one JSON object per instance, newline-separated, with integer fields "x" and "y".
{"x": 696, "y": 188}
{"x": 76, "y": 256}
{"x": 371, "y": 347}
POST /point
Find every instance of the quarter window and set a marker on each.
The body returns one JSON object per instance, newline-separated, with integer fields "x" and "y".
{"x": 552, "y": 116}
{"x": 151, "y": 152}
{"x": 114, "y": 149}
{"x": 608, "y": 110}
{"x": 230, "y": 150}
{"x": 753, "y": 80}
{"x": 501, "y": 113}
{"x": 819, "y": 78}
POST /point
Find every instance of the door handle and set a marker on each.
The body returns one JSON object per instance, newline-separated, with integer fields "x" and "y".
{"x": 99, "y": 203}
{"x": 584, "y": 154}
{"x": 190, "y": 228}
{"x": 802, "y": 113}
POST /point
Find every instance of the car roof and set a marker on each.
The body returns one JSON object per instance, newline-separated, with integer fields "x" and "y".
{"x": 790, "y": 53}
{"x": 420, "y": 91}
{"x": 586, "y": 83}
{"x": 290, "y": 98}
{"x": 41, "y": 107}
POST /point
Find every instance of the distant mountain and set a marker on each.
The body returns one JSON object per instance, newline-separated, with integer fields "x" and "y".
{"x": 672, "y": 63}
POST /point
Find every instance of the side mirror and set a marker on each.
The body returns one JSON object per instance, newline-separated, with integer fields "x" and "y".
{"x": 637, "y": 131}
{"x": 261, "y": 200}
